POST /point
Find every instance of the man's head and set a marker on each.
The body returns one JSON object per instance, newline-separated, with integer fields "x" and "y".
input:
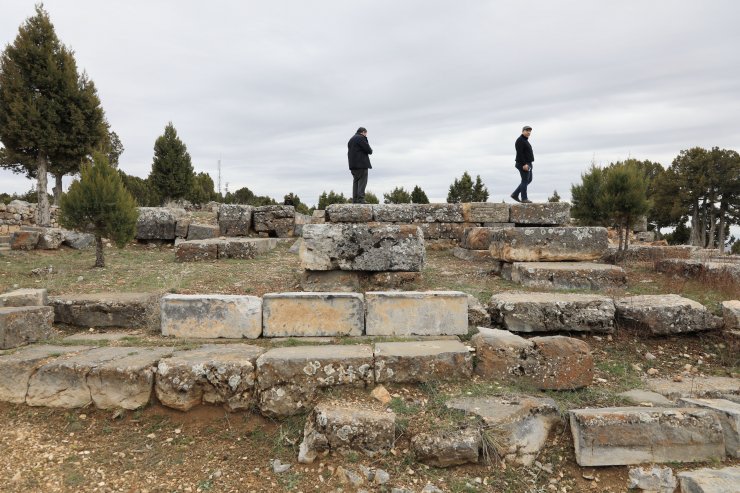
{"x": 362, "y": 130}
{"x": 526, "y": 131}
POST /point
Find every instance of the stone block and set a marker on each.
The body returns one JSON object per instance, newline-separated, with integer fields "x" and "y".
{"x": 478, "y": 256}
{"x": 478, "y": 238}
{"x": 641, "y": 397}
{"x": 416, "y": 313}
{"x": 130, "y": 310}
{"x": 665, "y": 314}
{"x": 345, "y": 281}
{"x": 24, "y": 240}
{"x": 211, "y": 374}
{"x": 342, "y": 427}
{"x": 546, "y": 214}
{"x": 16, "y": 368}
{"x": 24, "y": 297}
{"x": 275, "y": 220}
{"x": 211, "y": 316}
{"x": 477, "y": 313}
{"x": 499, "y": 353}
{"x": 202, "y": 231}
{"x": 706, "y": 270}
{"x": 290, "y": 377}
{"x": 696, "y": 387}
{"x": 235, "y": 219}
{"x": 523, "y": 423}
{"x": 729, "y": 415}
{"x": 445, "y": 448}
{"x": 635, "y": 435}
{"x": 244, "y": 248}
{"x": 388, "y": 280}
{"x": 443, "y": 231}
{"x": 653, "y": 480}
{"x": 312, "y": 314}
{"x": 362, "y": 247}
{"x": 349, "y": 213}
{"x": 318, "y": 217}
{"x": 196, "y": 250}
{"x": 50, "y": 239}
{"x": 156, "y": 223}
{"x": 731, "y": 314}
{"x": 485, "y": 212}
{"x": 393, "y": 213}
{"x": 181, "y": 228}
{"x": 568, "y": 275}
{"x": 438, "y": 213}
{"x": 552, "y": 312}
{"x": 549, "y": 244}
{"x": 21, "y": 325}
{"x": 77, "y": 240}
{"x": 710, "y": 480}
{"x": 652, "y": 253}
{"x": 422, "y": 361}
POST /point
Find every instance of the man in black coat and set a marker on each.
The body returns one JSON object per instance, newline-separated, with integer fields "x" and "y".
{"x": 358, "y": 154}
{"x": 523, "y": 162}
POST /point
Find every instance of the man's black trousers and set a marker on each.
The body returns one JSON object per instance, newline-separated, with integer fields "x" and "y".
{"x": 359, "y": 183}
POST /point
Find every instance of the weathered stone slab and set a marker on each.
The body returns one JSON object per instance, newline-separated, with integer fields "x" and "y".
{"x": 24, "y": 297}
{"x": 731, "y": 314}
{"x": 478, "y": 256}
{"x": 244, "y": 248}
{"x": 416, "y": 313}
{"x": 545, "y": 214}
{"x": 548, "y": 244}
{"x": 196, "y": 250}
{"x": 24, "y": 240}
{"x": 393, "y": 213}
{"x": 665, "y": 314}
{"x": 422, "y": 361}
{"x": 202, "y": 231}
{"x": 710, "y": 480}
{"x": 289, "y": 377}
{"x": 16, "y": 368}
{"x": 211, "y": 316}
{"x": 345, "y": 281}
{"x": 653, "y": 480}
{"x": 342, "y": 427}
{"x": 548, "y": 363}
{"x": 111, "y": 335}
{"x": 478, "y": 315}
{"x": 156, "y": 223}
{"x": 312, "y": 314}
{"x": 50, "y": 239}
{"x": 697, "y": 387}
{"x": 445, "y": 448}
{"x": 522, "y": 422}
{"x": 362, "y": 247}
{"x": 318, "y": 217}
{"x": 485, "y": 212}
{"x": 444, "y": 231}
{"x": 478, "y": 238}
{"x": 181, "y": 228}
{"x": 552, "y": 312}
{"x": 129, "y": 310}
{"x": 568, "y": 275}
{"x": 438, "y": 213}
{"x": 21, "y": 325}
{"x": 212, "y": 374}
{"x": 349, "y": 213}
{"x": 729, "y": 415}
{"x": 641, "y": 397}
{"x": 77, "y": 240}
{"x": 635, "y": 435}
{"x": 707, "y": 270}
{"x": 652, "y": 253}
{"x": 276, "y": 220}
{"x": 235, "y": 219}
{"x": 388, "y": 280}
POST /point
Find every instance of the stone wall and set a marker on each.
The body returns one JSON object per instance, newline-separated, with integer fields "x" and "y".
{"x": 19, "y": 213}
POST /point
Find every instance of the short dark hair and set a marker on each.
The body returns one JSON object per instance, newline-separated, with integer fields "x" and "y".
{"x": 526, "y": 127}
{"x": 361, "y": 130}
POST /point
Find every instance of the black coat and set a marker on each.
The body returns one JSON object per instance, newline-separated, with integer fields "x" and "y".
{"x": 358, "y": 152}
{"x": 524, "y": 154}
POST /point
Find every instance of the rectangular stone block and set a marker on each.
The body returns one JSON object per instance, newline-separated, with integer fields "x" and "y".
{"x": 196, "y": 250}
{"x": 21, "y": 325}
{"x": 235, "y": 219}
{"x": 636, "y": 435}
{"x": 438, "y": 213}
{"x": 130, "y": 310}
{"x": 708, "y": 480}
{"x": 393, "y": 213}
{"x": 422, "y": 361}
{"x": 444, "y": 231}
{"x": 244, "y": 248}
{"x": 568, "y": 275}
{"x": 50, "y": 239}
{"x": 24, "y": 240}
{"x": 478, "y": 238}
{"x": 202, "y": 231}
{"x": 312, "y": 314}
{"x": 156, "y": 223}
{"x": 349, "y": 213}
{"x": 24, "y": 297}
{"x": 731, "y": 314}
{"x": 362, "y": 247}
{"x": 181, "y": 228}
{"x": 211, "y": 316}
{"x": 330, "y": 280}
{"x": 546, "y": 214}
{"x": 729, "y": 415}
{"x": 275, "y": 220}
{"x": 665, "y": 314}
{"x": 549, "y": 244}
{"x": 16, "y": 368}
{"x": 416, "y": 313}
{"x": 485, "y": 212}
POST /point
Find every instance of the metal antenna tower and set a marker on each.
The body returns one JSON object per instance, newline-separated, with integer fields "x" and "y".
{"x": 219, "y": 175}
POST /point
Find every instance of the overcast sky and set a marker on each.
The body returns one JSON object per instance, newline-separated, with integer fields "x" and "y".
{"x": 277, "y": 88}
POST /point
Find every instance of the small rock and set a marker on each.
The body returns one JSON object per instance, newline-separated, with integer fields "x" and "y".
{"x": 278, "y": 467}
{"x": 652, "y": 371}
{"x": 650, "y": 356}
{"x": 381, "y": 394}
{"x": 348, "y": 476}
{"x": 678, "y": 378}
{"x": 381, "y": 477}
{"x": 80, "y": 278}
{"x": 430, "y": 488}
{"x": 657, "y": 479}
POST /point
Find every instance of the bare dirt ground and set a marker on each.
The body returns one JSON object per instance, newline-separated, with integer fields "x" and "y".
{"x": 160, "y": 450}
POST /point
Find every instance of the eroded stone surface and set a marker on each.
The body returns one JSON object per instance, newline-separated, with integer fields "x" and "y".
{"x": 393, "y": 213}
{"x": 710, "y": 480}
{"x": 196, "y": 250}
{"x": 548, "y": 244}
{"x": 568, "y": 275}
{"x": 244, "y": 248}
{"x": 438, "y": 213}
{"x": 50, "y": 239}
{"x": 552, "y": 312}
{"x": 697, "y": 387}
{"x": 478, "y": 238}
{"x": 313, "y": 314}
{"x": 24, "y": 297}
{"x": 422, "y": 361}
{"x": 485, "y": 212}
{"x": 275, "y": 220}
{"x": 731, "y": 314}
{"x": 77, "y": 240}
{"x": 330, "y": 280}
{"x": 707, "y": 270}
{"x": 156, "y": 223}
{"x": 211, "y": 316}
{"x": 665, "y": 314}
{"x": 416, "y": 313}
{"x": 235, "y": 219}
{"x": 21, "y": 325}
{"x": 544, "y": 214}
{"x": 24, "y": 240}
{"x": 729, "y": 416}
{"x": 129, "y": 310}
{"x": 202, "y": 231}
{"x": 447, "y": 447}
{"x": 349, "y": 213}
{"x": 641, "y": 397}
{"x": 634, "y": 435}
{"x": 654, "y": 480}
{"x": 478, "y": 315}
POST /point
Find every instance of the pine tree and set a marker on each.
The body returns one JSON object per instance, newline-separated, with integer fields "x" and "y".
{"x": 623, "y": 198}
{"x": 555, "y": 197}
{"x": 371, "y": 198}
{"x": 397, "y": 196}
{"x": 172, "y": 171}
{"x": 50, "y": 117}
{"x": 480, "y": 191}
{"x": 584, "y": 197}
{"x": 462, "y": 190}
{"x": 98, "y": 203}
{"x": 203, "y": 189}
{"x": 140, "y": 189}
{"x": 418, "y": 196}
{"x": 326, "y": 199}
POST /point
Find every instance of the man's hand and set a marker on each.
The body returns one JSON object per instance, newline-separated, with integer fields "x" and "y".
{"x": 525, "y": 167}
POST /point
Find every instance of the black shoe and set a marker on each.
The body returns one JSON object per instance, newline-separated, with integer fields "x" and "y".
{"x": 515, "y": 197}
{"x": 525, "y": 201}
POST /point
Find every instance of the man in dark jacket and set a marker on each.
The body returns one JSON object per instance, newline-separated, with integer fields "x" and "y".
{"x": 524, "y": 160}
{"x": 358, "y": 154}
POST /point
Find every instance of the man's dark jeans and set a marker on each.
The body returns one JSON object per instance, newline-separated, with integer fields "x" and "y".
{"x": 526, "y": 180}
{"x": 359, "y": 183}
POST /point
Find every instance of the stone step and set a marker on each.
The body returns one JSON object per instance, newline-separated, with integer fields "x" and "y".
{"x": 202, "y": 231}
{"x": 707, "y": 480}
{"x": 222, "y": 248}
{"x": 422, "y": 361}
{"x": 566, "y": 275}
{"x": 313, "y": 314}
{"x": 552, "y": 312}
{"x": 635, "y": 435}
{"x": 211, "y": 316}
{"x": 21, "y": 325}
{"x": 729, "y": 415}
{"x": 543, "y": 214}
{"x": 549, "y": 244}
{"x": 129, "y": 310}
{"x": 24, "y": 297}
{"x": 416, "y": 313}
{"x": 662, "y": 314}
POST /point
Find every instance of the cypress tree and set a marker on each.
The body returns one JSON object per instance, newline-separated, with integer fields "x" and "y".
{"x": 480, "y": 191}
{"x": 172, "y": 173}
{"x": 418, "y": 196}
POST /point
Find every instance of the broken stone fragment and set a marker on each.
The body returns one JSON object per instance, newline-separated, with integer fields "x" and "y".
{"x": 447, "y": 448}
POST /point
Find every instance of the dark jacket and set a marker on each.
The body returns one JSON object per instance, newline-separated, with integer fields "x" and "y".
{"x": 358, "y": 152}
{"x": 524, "y": 154}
